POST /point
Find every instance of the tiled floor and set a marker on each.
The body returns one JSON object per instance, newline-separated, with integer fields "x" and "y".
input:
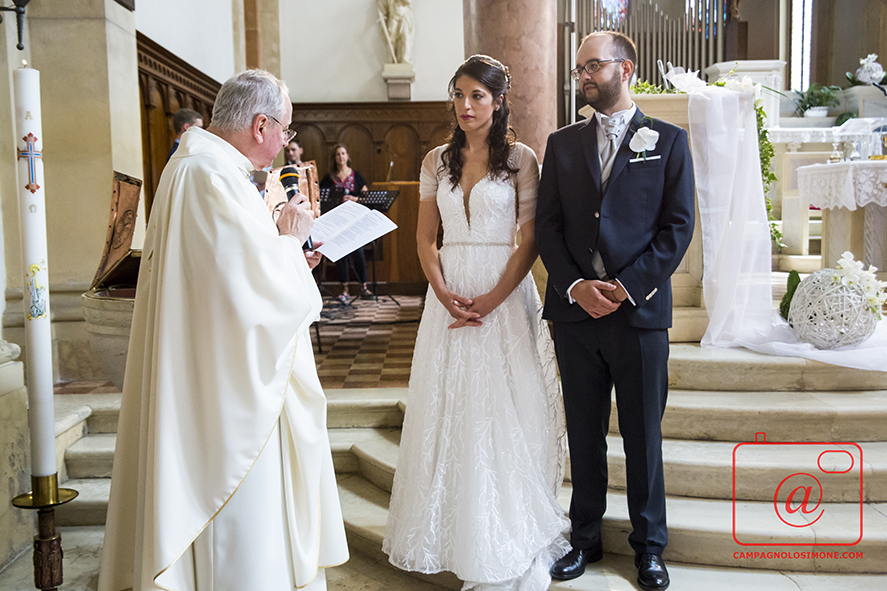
{"x": 367, "y": 344}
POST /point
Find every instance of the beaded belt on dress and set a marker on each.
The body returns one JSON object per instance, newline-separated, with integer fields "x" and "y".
{"x": 478, "y": 244}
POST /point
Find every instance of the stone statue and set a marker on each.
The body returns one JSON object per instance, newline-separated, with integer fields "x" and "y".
{"x": 396, "y": 18}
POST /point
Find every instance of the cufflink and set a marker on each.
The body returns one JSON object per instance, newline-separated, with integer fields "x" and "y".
{"x": 650, "y": 295}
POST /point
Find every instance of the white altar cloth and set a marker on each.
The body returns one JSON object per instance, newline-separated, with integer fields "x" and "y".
{"x": 844, "y": 184}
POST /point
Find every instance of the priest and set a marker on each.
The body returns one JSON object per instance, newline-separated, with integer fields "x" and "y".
{"x": 223, "y": 478}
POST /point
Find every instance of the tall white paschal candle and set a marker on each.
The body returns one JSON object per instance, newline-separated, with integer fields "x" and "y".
{"x": 32, "y": 224}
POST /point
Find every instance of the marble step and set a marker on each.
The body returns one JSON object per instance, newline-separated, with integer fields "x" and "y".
{"x": 91, "y": 505}
{"x": 104, "y": 409}
{"x": 699, "y": 469}
{"x": 699, "y": 534}
{"x": 783, "y": 416}
{"x": 346, "y": 408}
{"x": 692, "y": 367}
{"x": 91, "y": 457}
{"x": 695, "y": 417}
{"x": 700, "y": 529}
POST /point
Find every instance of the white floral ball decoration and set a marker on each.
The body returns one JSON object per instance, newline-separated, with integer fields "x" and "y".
{"x": 837, "y": 307}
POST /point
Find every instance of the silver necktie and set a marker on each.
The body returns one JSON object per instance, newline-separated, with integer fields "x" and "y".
{"x": 611, "y": 131}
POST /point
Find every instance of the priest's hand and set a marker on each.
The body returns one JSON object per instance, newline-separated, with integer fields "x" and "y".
{"x": 590, "y": 294}
{"x": 313, "y": 257}
{"x": 296, "y": 219}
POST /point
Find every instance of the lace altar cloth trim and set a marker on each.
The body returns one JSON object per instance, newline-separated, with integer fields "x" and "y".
{"x": 844, "y": 184}
{"x": 810, "y": 135}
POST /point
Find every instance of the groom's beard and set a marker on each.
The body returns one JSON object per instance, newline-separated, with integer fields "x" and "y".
{"x": 605, "y": 93}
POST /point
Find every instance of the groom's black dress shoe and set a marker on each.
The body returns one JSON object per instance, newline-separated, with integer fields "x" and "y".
{"x": 652, "y": 575}
{"x": 573, "y": 564}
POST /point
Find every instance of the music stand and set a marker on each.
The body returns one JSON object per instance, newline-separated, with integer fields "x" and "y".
{"x": 381, "y": 201}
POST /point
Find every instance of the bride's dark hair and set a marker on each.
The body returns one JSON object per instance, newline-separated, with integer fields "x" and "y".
{"x": 494, "y": 76}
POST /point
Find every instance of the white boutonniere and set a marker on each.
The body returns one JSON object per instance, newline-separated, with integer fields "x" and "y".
{"x": 644, "y": 139}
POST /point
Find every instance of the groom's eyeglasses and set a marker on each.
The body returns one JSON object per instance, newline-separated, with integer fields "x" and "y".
{"x": 592, "y": 67}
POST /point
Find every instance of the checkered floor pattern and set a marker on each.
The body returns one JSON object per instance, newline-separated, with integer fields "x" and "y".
{"x": 366, "y": 344}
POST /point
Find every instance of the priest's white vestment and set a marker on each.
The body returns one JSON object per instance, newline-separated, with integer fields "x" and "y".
{"x": 223, "y": 477}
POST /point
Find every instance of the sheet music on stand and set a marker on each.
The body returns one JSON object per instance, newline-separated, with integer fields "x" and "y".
{"x": 330, "y": 197}
{"x": 379, "y": 200}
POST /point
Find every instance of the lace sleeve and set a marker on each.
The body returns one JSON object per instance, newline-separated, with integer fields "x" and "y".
{"x": 526, "y": 183}
{"x": 429, "y": 175}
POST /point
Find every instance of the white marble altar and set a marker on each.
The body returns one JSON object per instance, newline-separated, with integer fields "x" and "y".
{"x": 853, "y": 197}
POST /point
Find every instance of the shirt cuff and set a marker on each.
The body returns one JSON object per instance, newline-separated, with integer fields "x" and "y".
{"x": 569, "y": 289}
{"x": 627, "y": 295}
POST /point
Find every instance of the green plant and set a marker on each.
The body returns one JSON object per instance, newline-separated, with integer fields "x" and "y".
{"x": 766, "y": 154}
{"x": 644, "y": 87}
{"x": 794, "y": 280}
{"x": 844, "y": 118}
{"x": 816, "y": 95}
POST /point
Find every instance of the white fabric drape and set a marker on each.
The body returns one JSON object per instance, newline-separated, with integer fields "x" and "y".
{"x": 735, "y": 231}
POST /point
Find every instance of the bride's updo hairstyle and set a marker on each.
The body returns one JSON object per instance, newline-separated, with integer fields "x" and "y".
{"x": 494, "y": 76}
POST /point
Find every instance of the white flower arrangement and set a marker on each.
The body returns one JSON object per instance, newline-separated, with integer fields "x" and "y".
{"x": 643, "y": 139}
{"x": 850, "y": 272}
{"x": 744, "y": 85}
{"x": 869, "y": 71}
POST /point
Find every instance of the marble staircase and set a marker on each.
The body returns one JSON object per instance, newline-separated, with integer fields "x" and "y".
{"x": 718, "y": 398}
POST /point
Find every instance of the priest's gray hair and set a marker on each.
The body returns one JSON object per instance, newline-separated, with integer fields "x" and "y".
{"x": 246, "y": 95}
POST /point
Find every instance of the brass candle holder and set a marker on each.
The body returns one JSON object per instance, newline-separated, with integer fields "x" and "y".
{"x": 44, "y": 497}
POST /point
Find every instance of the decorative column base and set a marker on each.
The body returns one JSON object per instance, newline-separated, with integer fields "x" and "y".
{"x": 399, "y": 78}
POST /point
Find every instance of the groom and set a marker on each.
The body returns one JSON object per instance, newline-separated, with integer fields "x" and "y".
{"x": 612, "y": 225}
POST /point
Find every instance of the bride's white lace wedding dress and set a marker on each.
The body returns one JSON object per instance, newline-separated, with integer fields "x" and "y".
{"x": 482, "y": 453}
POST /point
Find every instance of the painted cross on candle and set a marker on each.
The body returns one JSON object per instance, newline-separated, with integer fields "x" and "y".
{"x": 31, "y": 154}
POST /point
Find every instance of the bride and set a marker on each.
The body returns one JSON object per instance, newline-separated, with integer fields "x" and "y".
{"x": 482, "y": 449}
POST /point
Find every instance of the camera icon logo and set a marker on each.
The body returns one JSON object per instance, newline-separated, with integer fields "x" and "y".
{"x": 804, "y": 485}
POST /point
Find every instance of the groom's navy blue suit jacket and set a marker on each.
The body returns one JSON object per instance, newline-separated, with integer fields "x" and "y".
{"x": 642, "y": 224}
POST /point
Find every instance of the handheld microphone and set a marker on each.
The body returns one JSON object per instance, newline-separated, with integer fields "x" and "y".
{"x": 289, "y": 178}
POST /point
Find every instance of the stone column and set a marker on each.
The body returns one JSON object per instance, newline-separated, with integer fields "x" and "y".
{"x": 263, "y": 42}
{"x": 522, "y": 34}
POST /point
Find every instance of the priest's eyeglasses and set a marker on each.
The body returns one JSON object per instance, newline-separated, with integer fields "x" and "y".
{"x": 287, "y": 132}
{"x": 592, "y": 67}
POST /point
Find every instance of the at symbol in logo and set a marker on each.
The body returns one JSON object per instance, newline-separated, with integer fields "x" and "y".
{"x": 806, "y": 488}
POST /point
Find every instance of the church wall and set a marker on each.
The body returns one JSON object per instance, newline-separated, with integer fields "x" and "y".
{"x": 334, "y": 51}
{"x": 197, "y": 31}
{"x": 12, "y": 58}
{"x": 763, "y": 28}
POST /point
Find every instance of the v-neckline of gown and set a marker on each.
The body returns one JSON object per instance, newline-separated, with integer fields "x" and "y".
{"x": 466, "y": 201}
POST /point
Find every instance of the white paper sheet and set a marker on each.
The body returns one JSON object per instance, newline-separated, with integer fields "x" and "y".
{"x": 348, "y": 227}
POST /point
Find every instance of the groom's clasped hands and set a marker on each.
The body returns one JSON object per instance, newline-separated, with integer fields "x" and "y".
{"x": 598, "y": 298}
